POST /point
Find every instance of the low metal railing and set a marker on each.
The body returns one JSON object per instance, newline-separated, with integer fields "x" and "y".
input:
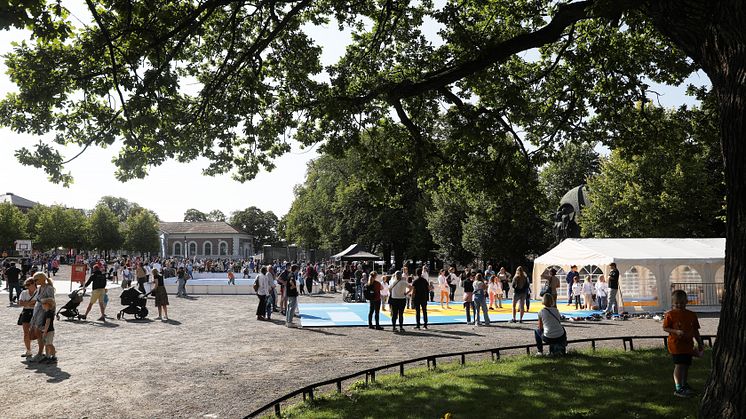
{"x": 701, "y": 293}
{"x": 370, "y": 373}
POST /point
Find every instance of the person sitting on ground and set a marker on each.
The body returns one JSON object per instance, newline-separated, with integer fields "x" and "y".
{"x": 550, "y": 329}
{"x": 98, "y": 279}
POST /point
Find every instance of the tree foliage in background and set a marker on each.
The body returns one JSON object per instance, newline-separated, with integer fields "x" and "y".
{"x": 215, "y": 215}
{"x": 13, "y": 224}
{"x": 57, "y": 226}
{"x": 670, "y": 186}
{"x": 141, "y": 233}
{"x": 570, "y": 167}
{"x": 194, "y": 215}
{"x": 259, "y": 224}
{"x": 260, "y": 82}
{"x": 121, "y": 207}
{"x": 103, "y": 228}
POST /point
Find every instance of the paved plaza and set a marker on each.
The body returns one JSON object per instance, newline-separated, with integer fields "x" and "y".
{"x": 213, "y": 359}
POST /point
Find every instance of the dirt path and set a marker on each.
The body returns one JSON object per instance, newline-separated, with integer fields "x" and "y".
{"x": 213, "y": 360}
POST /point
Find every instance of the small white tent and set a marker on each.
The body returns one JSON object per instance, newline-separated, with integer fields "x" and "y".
{"x": 647, "y": 267}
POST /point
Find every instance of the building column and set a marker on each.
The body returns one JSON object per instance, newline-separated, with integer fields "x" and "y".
{"x": 236, "y": 249}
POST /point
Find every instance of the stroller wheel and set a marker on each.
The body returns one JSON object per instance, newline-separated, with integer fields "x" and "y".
{"x": 119, "y": 316}
{"x": 58, "y": 316}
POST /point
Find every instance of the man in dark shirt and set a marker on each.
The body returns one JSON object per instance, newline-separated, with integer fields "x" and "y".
{"x": 98, "y": 279}
{"x": 13, "y": 275}
{"x": 420, "y": 292}
{"x": 613, "y": 288}
{"x": 570, "y": 278}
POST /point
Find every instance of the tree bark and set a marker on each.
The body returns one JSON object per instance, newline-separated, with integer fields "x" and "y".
{"x": 713, "y": 34}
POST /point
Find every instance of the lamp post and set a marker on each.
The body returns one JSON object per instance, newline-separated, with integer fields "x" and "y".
{"x": 186, "y": 249}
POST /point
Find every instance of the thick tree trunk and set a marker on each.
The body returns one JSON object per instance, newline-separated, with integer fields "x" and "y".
{"x": 713, "y": 34}
{"x": 725, "y": 395}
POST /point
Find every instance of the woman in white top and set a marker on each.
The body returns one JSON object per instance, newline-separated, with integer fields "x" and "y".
{"x": 398, "y": 293}
{"x": 602, "y": 291}
{"x": 385, "y": 291}
{"x": 27, "y": 301}
{"x": 588, "y": 293}
{"x": 444, "y": 289}
{"x": 496, "y": 292}
{"x": 45, "y": 290}
{"x": 550, "y": 330}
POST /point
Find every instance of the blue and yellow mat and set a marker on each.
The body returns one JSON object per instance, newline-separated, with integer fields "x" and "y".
{"x": 356, "y": 314}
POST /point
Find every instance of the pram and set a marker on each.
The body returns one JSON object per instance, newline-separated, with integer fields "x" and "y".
{"x": 134, "y": 302}
{"x": 70, "y": 309}
{"x": 350, "y": 294}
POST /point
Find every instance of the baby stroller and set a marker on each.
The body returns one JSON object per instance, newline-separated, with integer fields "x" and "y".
{"x": 349, "y": 292}
{"x": 70, "y": 309}
{"x": 134, "y": 303}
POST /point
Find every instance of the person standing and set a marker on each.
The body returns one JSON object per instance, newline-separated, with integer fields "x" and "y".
{"x": 453, "y": 281}
{"x": 98, "y": 279}
{"x": 504, "y": 277}
{"x": 588, "y": 293}
{"x": 310, "y": 277}
{"x": 385, "y": 291}
{"x": 420, "y": 294}
{"x": 291, "y": 287}
{"x": 577, "y": 289}
{"x": 614, "y": 289}
{"x": 161, "y": 296}
{"x": 26, "y": 300}
{"x": 142, "y": 277}
{"x": 480, "y": 300}
{"x": 12, "y": 277}
{"x": 468, "y": 286}
{"x": 262, "y": 291}
{"x": 398, "y": 291}
{"x": 181, "y": 278}
{"x": 682, "y": 327}
{"x": 570, "y": 279}
{"x": 602, "y": 290}
{"x": 359, "y": 283}
{"x": 47, "y": 331}
{"x": 520, "y": 292}
{"x": 373, "y": 291}
{"x": 45, "y": 290}
{"x": 444, "y": 288}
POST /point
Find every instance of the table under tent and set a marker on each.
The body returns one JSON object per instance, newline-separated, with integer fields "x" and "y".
{"x": 650, "y": 269}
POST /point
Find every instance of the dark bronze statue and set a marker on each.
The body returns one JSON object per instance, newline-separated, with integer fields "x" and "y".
{"x": 565, "y": 219}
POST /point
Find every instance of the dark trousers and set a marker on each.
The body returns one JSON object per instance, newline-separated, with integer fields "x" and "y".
{"x": 432, "y": 296}
{"x": 141, "y": 284}
{"x": 469, "y": 307}
{"x": 506, "y": 288}
{"x": 14, "y": 286}
{"x": 309, "y": 284}
{"x": 453, "y": 291}
{"x": 576, "y": 299}
{"x": 420, "y": 305}
{"x": 261, "y": 309}
{"x": 375, "y": 307}
{"x": 302, "y": 286}
{"x": 541, "y": 339}
{"x": 397, "y": 311}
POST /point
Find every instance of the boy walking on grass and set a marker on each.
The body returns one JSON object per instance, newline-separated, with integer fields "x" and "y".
{"x": 682, "y": 327}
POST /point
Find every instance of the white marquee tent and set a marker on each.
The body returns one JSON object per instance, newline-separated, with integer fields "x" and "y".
{"x": 647, "y": 267}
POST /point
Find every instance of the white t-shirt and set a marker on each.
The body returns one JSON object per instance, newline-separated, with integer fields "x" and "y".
{"x": 398, "y": 289}
{"x": 576, "y": 288}
{"x": 601, "y": 289}
{"x": 443, "y": 283}
{"x": 552, "y": 326}
{"x": 587, "y": 287}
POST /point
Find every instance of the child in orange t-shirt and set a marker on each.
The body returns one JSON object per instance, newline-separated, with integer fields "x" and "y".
{"x": 682, "y": 327}
{"x": 231, "y": 278}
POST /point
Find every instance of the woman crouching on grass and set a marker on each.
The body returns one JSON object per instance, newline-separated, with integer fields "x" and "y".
{"x": 550, "y": 329}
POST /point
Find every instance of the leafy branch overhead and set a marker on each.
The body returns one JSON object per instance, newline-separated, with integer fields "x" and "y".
{"x": 235, "y": 81}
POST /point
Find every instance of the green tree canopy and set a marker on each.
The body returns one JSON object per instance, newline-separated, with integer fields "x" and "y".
{"x": 194, "y": 215}
{"x": 104, "y": 229}
{"x": 12, "y": 225}
{"x": 141, "y": 232}
{"x": 57, "y": 226}
{"x": 262, "y": 225}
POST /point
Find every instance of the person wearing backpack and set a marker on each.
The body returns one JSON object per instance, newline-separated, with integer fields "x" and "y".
{"x": 372, "y": 293}
{"x": 520, "y": 292}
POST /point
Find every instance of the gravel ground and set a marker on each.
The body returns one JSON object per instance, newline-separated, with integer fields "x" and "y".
{"x": 213, "y": 359}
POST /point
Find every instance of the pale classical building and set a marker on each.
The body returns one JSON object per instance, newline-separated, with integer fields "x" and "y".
{"x": 205, "y": 240}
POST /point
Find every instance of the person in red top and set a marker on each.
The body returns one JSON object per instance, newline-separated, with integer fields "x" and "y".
{"x": 373, "y": 289}
{"x": 682, "y": 327}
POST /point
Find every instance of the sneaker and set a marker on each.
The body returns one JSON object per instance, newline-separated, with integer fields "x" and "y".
{"x": 425, "y": 327}
{"x": 379, "y": 328}
{"x": 49, "y": 360}
{"x": 512, "y": 320}
{"x": 26, "y": 355}
{"x": 371, "y": 327}
{"x": 37, "y": 358}
{"x": 159, "y": 318}
{"x": 417, "y": 327}
{"x": 401, "y": 329}
{"x": 539, "y": 353}
{"x": 684, "y": 392}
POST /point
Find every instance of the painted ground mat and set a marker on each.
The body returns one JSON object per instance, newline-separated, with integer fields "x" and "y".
{"x": 356, "y": 314}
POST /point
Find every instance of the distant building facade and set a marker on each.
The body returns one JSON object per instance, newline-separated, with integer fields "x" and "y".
{"x": 21, "y": 203}
{"x": 215, "y": 240}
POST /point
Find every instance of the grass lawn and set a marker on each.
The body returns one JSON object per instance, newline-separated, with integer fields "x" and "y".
{"x": 601, "y": 384}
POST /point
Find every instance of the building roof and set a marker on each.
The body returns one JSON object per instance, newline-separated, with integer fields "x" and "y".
{"x": 17, "y": 200}
{"x": 207, "y": 227}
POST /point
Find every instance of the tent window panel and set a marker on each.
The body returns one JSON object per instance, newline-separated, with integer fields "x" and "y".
{"x": 720, "y": 275}
{"x": 639, "y": 287}
{"x": 685, "y": 273}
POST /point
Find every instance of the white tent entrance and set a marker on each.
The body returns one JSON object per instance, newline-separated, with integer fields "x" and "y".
{"x": 649, "y": 269}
